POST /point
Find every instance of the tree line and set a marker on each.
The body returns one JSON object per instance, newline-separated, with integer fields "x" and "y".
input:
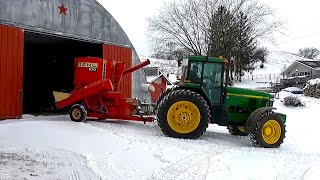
{"x": 228, "y": 28}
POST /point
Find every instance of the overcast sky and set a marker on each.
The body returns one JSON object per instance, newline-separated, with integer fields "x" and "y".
{"x": 302, "y": 22}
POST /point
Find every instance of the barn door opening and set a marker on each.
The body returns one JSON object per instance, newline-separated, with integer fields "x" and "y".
{"x": 48, "y": 67}
{"x": 11, "y": 75}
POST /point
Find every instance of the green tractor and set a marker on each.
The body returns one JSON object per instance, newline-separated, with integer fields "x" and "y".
{"x": 202, "y": 96}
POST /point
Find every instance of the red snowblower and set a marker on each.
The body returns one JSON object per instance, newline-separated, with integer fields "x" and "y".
{"x": 95, "y": 93}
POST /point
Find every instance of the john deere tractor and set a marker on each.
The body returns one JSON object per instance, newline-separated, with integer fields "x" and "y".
{"x": 203, "y": 96}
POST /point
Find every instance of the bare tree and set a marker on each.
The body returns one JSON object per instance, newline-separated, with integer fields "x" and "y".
{"x": 187, "y": 25}
{"x": 183, "y": 24}
{"x": 309, "y": 53}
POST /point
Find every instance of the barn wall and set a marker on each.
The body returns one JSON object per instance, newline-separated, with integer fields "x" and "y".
{"x": 121, "y": 54}
{"x": 11, "y": 71}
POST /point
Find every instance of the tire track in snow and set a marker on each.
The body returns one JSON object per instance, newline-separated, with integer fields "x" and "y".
{"x": 152, "y": 138}
{"x": 73, "y": 174}
{"x": 45, "y": 163}
{"x": 105, "y": 167}
{"x": 194, "y": 166}
{"x": 75, "y": 164}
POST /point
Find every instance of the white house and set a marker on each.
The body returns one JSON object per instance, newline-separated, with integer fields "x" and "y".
{"x": 303, "y": 68}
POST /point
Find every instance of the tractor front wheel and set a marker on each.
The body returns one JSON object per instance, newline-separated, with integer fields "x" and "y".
{"x": 237, "y": 130}
{"x": 269, "y": 131}
{"x": 78, "y": 113}
{"x": 183, "y": 114}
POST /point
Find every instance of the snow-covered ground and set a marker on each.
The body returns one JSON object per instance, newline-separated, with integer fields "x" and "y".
{"x": 53, "y": 147}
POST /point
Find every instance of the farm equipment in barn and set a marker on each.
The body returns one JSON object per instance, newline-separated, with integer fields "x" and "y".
{"x": 203, "y": 96}
{"x": 96, "y": 94}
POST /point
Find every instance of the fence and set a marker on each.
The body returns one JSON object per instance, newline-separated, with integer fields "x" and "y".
{"x": 298, "y": 80}
{"x": 270, "y": 77}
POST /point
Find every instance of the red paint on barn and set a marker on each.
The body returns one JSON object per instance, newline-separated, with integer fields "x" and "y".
{"x": 121, "y": 54}
{"x": 11, "y": 71}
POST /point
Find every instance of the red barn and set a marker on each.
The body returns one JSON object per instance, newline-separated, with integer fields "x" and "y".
{"x": 39, "y": 41}
{"x": 158, "y": 80}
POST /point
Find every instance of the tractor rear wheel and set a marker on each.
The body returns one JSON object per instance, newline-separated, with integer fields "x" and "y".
{"x": 237, "y": 130}
{"x": 78, "y": 113}
{"x": 162, "y": 95}
{"x": 269, "y": 132}
{"x": 183, "y": 114}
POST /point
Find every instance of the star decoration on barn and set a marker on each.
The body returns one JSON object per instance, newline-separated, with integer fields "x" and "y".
{"x": 63, "y": 10}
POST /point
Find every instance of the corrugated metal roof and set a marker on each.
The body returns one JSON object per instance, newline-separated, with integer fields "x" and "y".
{"x": 312, "y": 63}
{"x": 83, "y": 19}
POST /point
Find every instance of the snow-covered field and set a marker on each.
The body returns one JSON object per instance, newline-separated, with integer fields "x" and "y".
{"x": 53, "y": 147}
{"x": 276, "y": 62}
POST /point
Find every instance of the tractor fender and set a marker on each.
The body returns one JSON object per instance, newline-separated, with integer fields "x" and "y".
{"x": 255, "y": 116}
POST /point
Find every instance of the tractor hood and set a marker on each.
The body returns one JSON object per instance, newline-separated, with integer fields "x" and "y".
{"x": 248, "y": 93}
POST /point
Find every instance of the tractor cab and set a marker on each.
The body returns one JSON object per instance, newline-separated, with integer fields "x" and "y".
{"x": 205, "y": 74}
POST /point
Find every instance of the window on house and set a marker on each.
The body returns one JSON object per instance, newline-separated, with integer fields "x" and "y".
{"x": 151, "y": 72}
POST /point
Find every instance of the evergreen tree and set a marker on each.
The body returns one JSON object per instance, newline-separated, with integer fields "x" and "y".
{"x": 245, "y": 45}
{"x": 221, "y": 38}
{"x": 221, "y": 33}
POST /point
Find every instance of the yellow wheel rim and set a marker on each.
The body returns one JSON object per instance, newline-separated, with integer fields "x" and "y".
{"x": 76, "y": 113}
{"x": 183, "y": 117}
{"x": 241, "y": 128}
{"x": 271, "y": 131}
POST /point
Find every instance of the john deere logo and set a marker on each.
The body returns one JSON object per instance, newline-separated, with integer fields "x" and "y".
{"x": 90, "y": 66}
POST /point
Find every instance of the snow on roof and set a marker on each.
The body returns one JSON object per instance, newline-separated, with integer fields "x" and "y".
{"x": 311, "y": 63}
{"x": 150, "y": 79}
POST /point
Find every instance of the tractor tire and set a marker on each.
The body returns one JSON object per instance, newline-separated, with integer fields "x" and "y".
{"x": 162, "y": 95}
{"x": 269, "y": 131}
{"x": 183, "y": 114}
{"x": 237, "y": 130}
{"x": 78, "y": 113}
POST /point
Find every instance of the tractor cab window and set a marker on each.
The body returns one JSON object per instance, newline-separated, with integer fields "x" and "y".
{"x": 184, "y": 68}
{"x": 213, "y": 81}
{"x": 195, "y": 72}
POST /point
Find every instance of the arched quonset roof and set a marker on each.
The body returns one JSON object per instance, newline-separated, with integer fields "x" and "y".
{"x": 83, "y": 19}
{"x": 77, "y": 19}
